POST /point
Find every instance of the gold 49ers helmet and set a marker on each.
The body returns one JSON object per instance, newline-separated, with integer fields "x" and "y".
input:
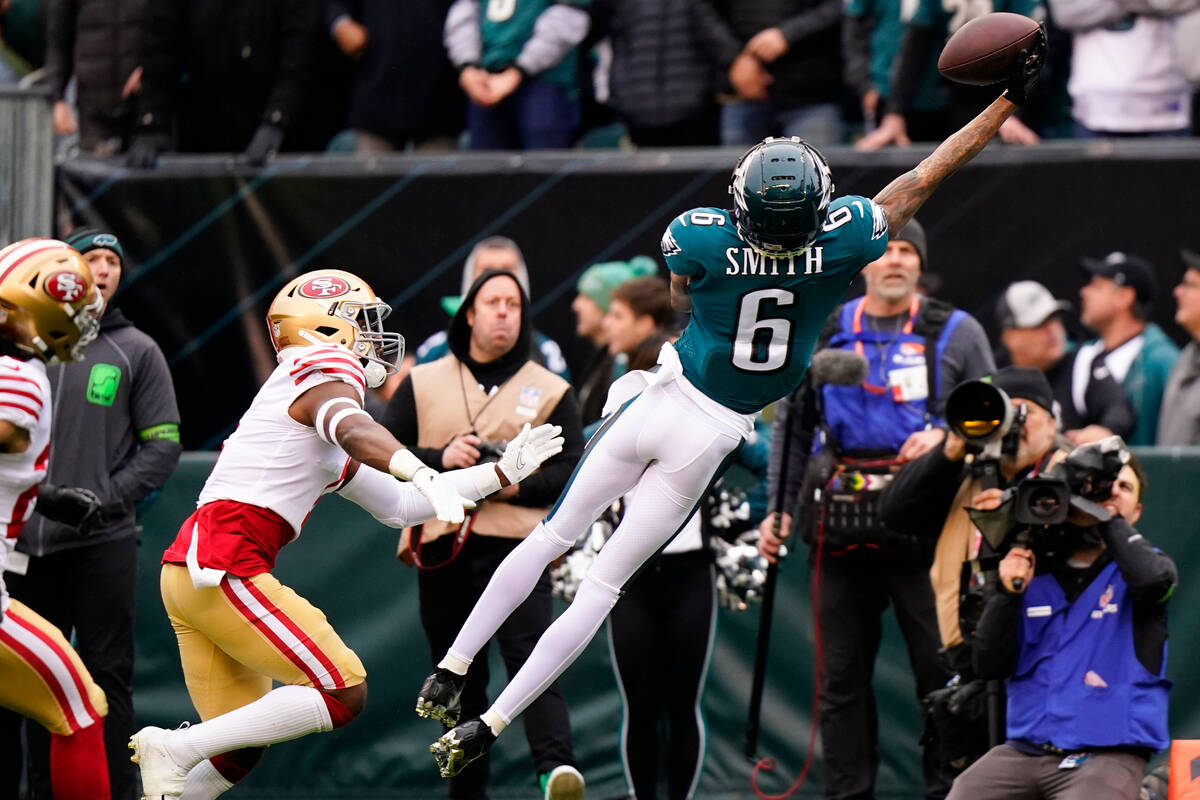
{"x": 331, "y": 306}
{"x": 49, "y": 304}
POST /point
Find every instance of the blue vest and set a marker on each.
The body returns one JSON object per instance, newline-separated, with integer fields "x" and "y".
{"x": 1078, "y": 682}
{"x": 875, "y": 416}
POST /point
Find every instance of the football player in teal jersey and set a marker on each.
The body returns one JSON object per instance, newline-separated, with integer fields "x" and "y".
{"x": 759, "y": 281}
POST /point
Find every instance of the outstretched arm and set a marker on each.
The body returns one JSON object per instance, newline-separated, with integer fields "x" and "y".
{"x": 902, "y": 197}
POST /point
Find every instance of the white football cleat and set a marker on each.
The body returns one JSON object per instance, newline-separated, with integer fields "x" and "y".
{"x": 161, "y": 775}
{"x": 564, "y": 783}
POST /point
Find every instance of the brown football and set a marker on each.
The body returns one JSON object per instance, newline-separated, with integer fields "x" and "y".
{"x": 985, "y": 50}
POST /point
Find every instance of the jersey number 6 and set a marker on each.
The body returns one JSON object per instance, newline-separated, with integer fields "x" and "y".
{"x": 751, "y": 329}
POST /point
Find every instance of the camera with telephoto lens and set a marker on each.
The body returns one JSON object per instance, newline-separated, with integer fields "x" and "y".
{"x": 490, "y": 452}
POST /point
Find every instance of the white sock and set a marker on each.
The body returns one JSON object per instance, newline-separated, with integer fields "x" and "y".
{"x": 494, "y": 721}
{"x": 280, "y": 715}
{"x": 455, "y": 664}
{"x": 205, "y": 783}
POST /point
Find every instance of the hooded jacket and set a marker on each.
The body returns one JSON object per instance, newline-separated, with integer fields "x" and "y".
{"x": 542, "y": 487}
{"x": 115, "y": 431}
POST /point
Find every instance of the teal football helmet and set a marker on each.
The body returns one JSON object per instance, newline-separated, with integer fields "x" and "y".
{"x": 781, "y": 188}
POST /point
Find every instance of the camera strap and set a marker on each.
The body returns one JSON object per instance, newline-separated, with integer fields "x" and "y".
{"x": 460, "y": 538}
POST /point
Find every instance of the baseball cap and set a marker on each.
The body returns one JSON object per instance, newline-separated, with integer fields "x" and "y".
{"x": 1025, "y": 382}
{"x": 599, "y": 281}
{"x": 1027, "y": 304}
{"x": 1124, "y": 270}
{"x": 86, "y": 239}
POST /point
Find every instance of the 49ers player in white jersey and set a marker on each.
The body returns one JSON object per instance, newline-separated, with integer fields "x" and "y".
{"x": 49, "y": 312}
{"x": 304, "y": 436}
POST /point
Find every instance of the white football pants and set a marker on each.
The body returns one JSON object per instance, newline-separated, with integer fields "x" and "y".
{"x": 664, "y": 449}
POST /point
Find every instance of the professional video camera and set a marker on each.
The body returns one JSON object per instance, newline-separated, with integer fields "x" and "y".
{"x": 1036, "y": 510}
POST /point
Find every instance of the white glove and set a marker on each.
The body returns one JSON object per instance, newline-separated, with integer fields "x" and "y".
{"x": 528, "y": 450}
{"x": 448, "y": 504}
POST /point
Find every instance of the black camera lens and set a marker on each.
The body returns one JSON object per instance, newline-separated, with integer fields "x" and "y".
{"x": 1044, "y": 503}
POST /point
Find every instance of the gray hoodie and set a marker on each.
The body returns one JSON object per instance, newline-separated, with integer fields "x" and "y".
{"x": 115, "y": 431}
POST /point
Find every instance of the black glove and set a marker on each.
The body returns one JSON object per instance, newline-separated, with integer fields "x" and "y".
{"x": 70, "y": 505}
{"x": 264, "y": 144}
{"x": 145, "y": 147}
{"x": 1027, "y": 70}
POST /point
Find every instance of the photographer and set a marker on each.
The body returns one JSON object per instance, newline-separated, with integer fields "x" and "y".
{"x": 458, "y": 409}
{"x": 1081, "y": 641}
{"x": 933, "y": 494}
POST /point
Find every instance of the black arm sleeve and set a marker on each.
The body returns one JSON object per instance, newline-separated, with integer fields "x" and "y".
{"x": 918, "y": 499}
{"x": 856, "y": 52}
{"x": 1151, "y": 574}
{"x": 296, "y": 63}
{"x": 997, "y": 646}
{"x": 543, "y": 487}
{"x": 814, "y": 20}
{"x": 715, "y": 34}
{"x": 400, "y": 418}
{"x": 916, "y": 48}
{"x": 164, "y": 46}
{"x": 60, "y": 44}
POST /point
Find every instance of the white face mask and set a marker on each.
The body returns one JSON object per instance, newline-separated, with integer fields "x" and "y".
{"x": 376, "y": 374}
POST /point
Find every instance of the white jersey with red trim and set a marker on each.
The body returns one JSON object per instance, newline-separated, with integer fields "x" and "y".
{"x": 271, "y": 460}
{"x": 24, "y": 402}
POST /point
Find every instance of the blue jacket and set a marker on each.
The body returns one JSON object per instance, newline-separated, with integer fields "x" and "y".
{"x": 870, "y": 417}
{"x": 1078, "y": 682}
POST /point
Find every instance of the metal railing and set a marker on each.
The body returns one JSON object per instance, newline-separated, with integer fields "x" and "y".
{"x": 26, "y": 163}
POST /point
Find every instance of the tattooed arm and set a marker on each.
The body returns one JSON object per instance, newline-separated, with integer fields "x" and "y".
{"x": 902, "y": 197}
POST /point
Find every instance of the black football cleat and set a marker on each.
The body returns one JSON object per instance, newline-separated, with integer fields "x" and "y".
{"x": 440, "y": 697}
{"x": 460, "y": 746}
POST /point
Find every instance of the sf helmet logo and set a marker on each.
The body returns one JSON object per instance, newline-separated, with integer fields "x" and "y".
{"x": 324, "y": 287}
{"x": 65, "y": 287}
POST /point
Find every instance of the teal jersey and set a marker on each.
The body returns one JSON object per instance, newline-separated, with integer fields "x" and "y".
{"x": 950, "y": 15}
{"x": 755, "y": 319}
{"x": 886, "y": 35}
{"x": 505, "y": 26}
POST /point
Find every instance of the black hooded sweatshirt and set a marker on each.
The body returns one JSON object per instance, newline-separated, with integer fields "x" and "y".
{"x": 542, "y": 487}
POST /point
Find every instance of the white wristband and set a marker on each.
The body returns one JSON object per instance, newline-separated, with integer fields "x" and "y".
{"x": 404, "y": 464}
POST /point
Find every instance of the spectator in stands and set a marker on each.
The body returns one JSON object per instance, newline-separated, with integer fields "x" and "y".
{"x": 871, "y": 34}
{"x": 594, "y": 296}
{"x": 404, "y": 91}
{"x": 783, "y": 60}
{"x": 228, "y": 77}
{"x": 98, "y": 43}
{"x": 518, "y": 68}
{"x": 924, "y": 33}
{"x": 22, "y": 38}
{"x": 638, "y": 321}
{"x": 502, "y": 253}
{"x": 1033, "y": 334}
{"x": 484, "y": 390}
{"x": 661, "y": 80}
{"x": 116, "y": 434}
{"x": 1116, "y": 304}
{"x": 1179, "y": 420}
{"x": 1126, "y": 78}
